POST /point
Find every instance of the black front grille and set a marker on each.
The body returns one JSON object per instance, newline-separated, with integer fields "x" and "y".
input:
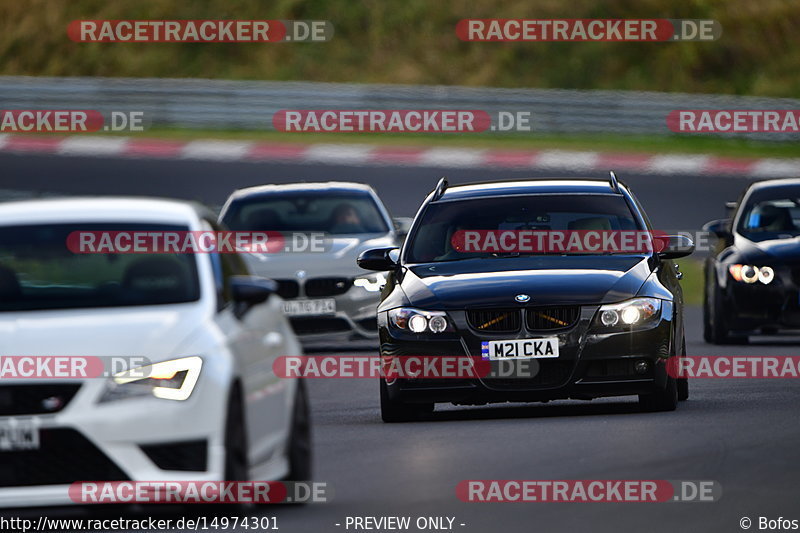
{"x": 309, "y": 325}
{"x": 552, "y": 317}
{"x": 549, "y": 374}
{"x": 35, "y": 399}
{"x": 64, "y": 456}
{"x": 369, "y": 324}
{"x": 186, "y": 456}
{"x": 288, "y": 288}
{"x": 327, "y": 286}
{"x": 495, "y": 320}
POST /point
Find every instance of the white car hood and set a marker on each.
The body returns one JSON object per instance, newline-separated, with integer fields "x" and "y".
{"x": 339, "y": 259}
{"x": 154, "y": 332}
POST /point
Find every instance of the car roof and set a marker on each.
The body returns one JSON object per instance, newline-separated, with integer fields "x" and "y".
{"x": 99, "y": 209}
{"x": 529, "y": 186}
{"x": 326, "y": 186}
{"x": 774, "y": 184}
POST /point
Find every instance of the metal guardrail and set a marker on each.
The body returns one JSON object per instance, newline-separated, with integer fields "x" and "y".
{"x": 250, "y": 105}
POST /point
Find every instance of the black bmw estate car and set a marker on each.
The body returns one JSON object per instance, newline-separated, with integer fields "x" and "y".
{"x": 597, "y": 323}
{"x": 753, "y": 276}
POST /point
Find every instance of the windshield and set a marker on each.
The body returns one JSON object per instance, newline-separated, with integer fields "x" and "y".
{"x": 767, "y": 219}
{"x": 336, "y": 214}
{"x": 38, "y": 272}
{"x": 433, "y": 241}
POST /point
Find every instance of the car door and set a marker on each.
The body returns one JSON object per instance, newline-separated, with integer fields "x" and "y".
{"x": 261, "y": 335}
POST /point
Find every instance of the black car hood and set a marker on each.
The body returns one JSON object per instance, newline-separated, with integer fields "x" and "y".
{"x": 767, "y": 252}
{"x": 547, "y": 280}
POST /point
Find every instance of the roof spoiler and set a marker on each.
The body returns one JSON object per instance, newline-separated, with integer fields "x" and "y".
{"x": 440, "y": 188}
{"x": 613, "y": 180}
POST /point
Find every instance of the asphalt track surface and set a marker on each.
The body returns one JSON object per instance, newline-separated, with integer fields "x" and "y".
{"x": 743, "y": 434}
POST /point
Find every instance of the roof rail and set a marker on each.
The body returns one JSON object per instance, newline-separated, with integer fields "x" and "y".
{"x": 440, "y": 188}
{"x": 613, "y": 180}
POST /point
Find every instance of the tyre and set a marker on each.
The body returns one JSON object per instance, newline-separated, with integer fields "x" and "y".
{"x": 662, "y": 400}
{"x": 299, "y": 452}
{"x": 236, "y": 462}
{"x": 715, "y": 329}
{"x": 396, "y": 411}
{"x": 683, "y": 383}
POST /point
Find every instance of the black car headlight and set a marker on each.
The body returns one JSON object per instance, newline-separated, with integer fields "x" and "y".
{"x": 170, "y": 380}
{"x": 627, "y": 315}
{"x": 751, "y": 274}
{"x": 419, "y": 321}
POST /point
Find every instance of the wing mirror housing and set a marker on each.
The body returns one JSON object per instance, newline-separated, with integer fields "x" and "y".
{"x": 252, "y": 290}
{"x": 676, "y": 246}
{"x": 379, "y": 259}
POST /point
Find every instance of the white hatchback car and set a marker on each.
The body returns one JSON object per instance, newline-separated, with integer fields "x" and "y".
{"x": 212, "y": 408}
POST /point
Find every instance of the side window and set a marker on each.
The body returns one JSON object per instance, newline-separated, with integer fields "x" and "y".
{"x": 224, "y": 266}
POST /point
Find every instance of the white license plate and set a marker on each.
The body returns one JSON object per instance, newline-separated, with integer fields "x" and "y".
{"x": 544, "y": 348}
{"x": 326, "y": 306}
{"x": 18, "y": 435}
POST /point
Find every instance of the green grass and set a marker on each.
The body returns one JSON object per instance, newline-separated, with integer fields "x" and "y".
{"x": 605, "y": 143}
{"x": 692, "y": 281}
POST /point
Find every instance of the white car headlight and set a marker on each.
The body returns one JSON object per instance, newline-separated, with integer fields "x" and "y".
{"x": 629, "y": 314}
{"x": 371, "y": 282}
{"x": 170, "y": 380}
{"x": 419, "y": 321}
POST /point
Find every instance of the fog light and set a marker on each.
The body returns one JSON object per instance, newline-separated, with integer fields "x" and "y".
{"x": 418, "y": 323}
{"x": 641, "y": 366}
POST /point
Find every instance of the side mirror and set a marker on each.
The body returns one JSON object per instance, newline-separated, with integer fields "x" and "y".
{"x": 676, "y": 246}
{"x": 251, "y": 289}
{"x": 720, "y": 228}
{"x": 380, "y": 259}
{"x": 402, "y": 225}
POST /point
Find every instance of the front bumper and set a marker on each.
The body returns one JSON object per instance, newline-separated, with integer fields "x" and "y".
{"x": 355, "y": 315}
{"x": 757, "y": 306}
{"x": 115, "y": 441}
{"x": 590, "y": 364}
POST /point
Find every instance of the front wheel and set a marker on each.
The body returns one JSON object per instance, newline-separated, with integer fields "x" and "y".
{"x": 683, "y": 383}
{"x": 715, "y": 319}
{"x": 236, "y": 463}
{"x": 397, "y": 411}
{"x": 300, "y": 455}
{"x": 665, "y": 399}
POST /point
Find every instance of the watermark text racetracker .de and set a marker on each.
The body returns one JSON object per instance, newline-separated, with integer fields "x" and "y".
{"x": 544, "y": 30}
{"x": 587, "y": 490}
{"x": 200, "y": 31}
{"x": 71, "y": 366}
{"x": 734, "y": 121}
{"x": 70, "y": 121}
{"x": 401, "y": 120}
{"x": 200, "y": 492}
{"x": 722, "y": 366}
{"x": 195, "y": 242}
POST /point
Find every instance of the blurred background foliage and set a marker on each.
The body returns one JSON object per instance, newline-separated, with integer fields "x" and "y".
{"x": 414, "y": 42}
